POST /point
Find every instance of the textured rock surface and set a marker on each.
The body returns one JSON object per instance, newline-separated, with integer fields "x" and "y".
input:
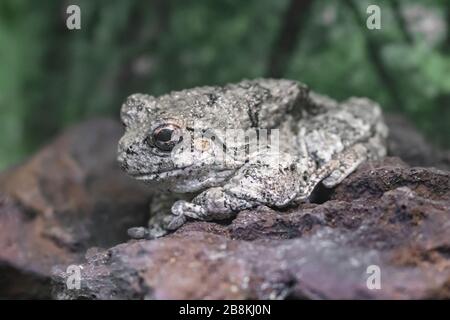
{"x": 410, "y": 145}
{"x": 385, "y": 214}
{"x": 71, "y": 196}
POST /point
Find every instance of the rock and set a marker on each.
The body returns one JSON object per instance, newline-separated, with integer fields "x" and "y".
{"x": 68, "y": 197}
{"x": 386, "y": 215}
{"x": 411, "y": 146}
{"x": 70, "y": 201}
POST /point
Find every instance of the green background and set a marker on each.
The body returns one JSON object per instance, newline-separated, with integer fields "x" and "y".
{"x": 51, "y": 77}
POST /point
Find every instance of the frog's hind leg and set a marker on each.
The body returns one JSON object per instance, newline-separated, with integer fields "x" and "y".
{"x": 346, "y": 164}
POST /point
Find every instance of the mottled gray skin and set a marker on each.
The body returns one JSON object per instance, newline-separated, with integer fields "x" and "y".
{"x": 320, "y": 141}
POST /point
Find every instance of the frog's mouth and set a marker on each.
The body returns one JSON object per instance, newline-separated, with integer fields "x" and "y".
{"x": 150, "y": 176}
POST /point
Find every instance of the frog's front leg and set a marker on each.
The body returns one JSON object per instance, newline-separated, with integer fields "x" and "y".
{"x": 212, "y": 204}
{"x": 161, "y": 220}
{"x": 274, "y": 180}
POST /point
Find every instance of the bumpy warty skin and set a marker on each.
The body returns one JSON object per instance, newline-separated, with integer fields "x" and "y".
{"x": 180, "y": 143}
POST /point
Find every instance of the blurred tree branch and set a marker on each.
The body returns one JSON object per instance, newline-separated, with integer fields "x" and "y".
{"x": 42, "y": 118}
{"x": 374, "y": 48}
{"x": 292, "y": 24}
{"x": 142, "y": 36}
{"x": 447, "y": 20}
{"x": 396, "y": 9}
{"x": 442, "y": 100}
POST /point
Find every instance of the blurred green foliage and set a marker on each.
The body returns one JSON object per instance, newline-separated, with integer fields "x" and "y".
{"x": 51, "y": 77}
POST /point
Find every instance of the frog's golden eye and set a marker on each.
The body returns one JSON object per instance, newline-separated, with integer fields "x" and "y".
{"x": 166, "y": 136}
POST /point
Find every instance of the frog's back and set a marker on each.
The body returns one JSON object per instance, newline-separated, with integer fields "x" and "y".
{"x": 341, "y": 126}
{"x": 324, "y": 126}
{"x": 259, "y": 103}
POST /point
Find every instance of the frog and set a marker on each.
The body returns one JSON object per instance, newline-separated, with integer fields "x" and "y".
{"x": 197, "y": 148}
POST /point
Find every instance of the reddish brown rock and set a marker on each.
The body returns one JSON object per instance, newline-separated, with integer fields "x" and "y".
{"x": 386, "y": 214}
{"x": 69, "y": 196}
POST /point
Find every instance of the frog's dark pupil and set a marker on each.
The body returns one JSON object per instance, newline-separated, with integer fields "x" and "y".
{"x": 165, "y": 135}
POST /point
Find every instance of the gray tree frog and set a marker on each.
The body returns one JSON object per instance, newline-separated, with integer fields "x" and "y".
{"x": 311, "y": 140}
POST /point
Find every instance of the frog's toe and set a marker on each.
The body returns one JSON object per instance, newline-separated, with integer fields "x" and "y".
{"x": 176, "y": 222}
{"x": 179, "y": 207}
{"x": 188, "y": 209}
{"x": 138, "y": 233}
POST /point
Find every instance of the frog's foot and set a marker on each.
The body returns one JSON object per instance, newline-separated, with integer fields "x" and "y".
{"x": 183, "y": 208}
{"x": 153, "y": 232}
{"x": 157, "y": 231}
{"x": 160, "y": 225}
{"x": 176, "y": 222}
{"x": 212, "y": 204}
{"x": 138, "y": 233}
{"x": 348, "y": 162}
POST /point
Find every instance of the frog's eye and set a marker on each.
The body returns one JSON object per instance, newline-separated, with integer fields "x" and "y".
{"x": 165, "y": 137}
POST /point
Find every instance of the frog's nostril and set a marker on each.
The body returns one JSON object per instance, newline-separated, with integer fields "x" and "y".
{"x": 130, "y": 150}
